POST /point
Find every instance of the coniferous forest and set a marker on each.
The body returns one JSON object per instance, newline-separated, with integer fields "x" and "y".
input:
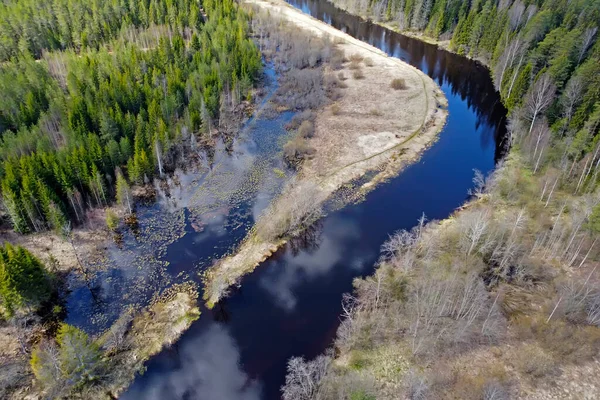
{"x": 552, "y": 42}
{"x": 94, "y": 91}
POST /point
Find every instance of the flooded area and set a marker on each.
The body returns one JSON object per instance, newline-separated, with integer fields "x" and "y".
{"x": 291, "y": 305}
{"x": 199, "y": 216}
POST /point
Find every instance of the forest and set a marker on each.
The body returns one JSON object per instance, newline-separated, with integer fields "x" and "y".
{"x": 501, "y": 300}
{"x": 96, "y": 93}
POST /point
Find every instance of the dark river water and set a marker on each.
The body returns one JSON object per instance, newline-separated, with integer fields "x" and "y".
{"x": 290, "y": 306}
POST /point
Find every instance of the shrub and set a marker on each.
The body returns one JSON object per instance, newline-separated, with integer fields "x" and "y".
{"x": 297, "y": 150}
{"x": 336, "y": 109}
{"x": 299, "y": 118}
{"x": 337, "y": 59}
{"x": 369, "y": 62}
{"x": 290, "y": 219}
{"x": 341, "y": 76}
{"x": 533, "y": 361}
{"x": 358, "y": 74}
{"x": 398, "y": 84}
{"x": 306, "y": 129}
{"x": 361, "y": 395}
{"x": 354, "y": 65}
{"x": 356, "y": 58}
{"x": 112, "y": 220}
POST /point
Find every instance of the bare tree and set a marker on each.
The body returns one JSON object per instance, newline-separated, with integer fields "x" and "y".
{"x": 572, "y": 97}
{"x": 303, "y": 378}
{"x": 514, "y": 49}
{"x": 475, "y": 225}
{"x": 417, "y": 387}
{"x": 539, "y": 98}
{"x": 587, "y": 40}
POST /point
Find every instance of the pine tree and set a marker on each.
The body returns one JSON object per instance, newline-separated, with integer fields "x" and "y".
{"x": 24, "y": 282}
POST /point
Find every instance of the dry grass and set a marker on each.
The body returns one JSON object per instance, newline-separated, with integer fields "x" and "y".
{"x": 348, "y": 144}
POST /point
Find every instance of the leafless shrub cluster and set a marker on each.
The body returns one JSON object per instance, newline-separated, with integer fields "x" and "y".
{"x": 302, "y": 89}
{"x": 292, "y": 217}
{"x": 356, "y": 58}
{"x": 297, "y": 150}
{"x": 114, "y": 340}
{"x": 287, "y": 46}
{"x": 303, "y": 379}
{"x": 316, "y": 380}
{"x": 299, "y": 118}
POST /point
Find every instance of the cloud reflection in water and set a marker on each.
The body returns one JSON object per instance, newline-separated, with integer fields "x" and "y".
{"x": 321, "y": 251}
{"x": 208, "y": 369}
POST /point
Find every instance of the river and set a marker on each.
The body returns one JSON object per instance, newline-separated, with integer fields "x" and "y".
{"x": 290, "y": 305}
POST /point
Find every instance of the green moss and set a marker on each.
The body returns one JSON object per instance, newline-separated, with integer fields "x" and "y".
{"x": 361, "y": 395}
{"x": 357, "y": 360}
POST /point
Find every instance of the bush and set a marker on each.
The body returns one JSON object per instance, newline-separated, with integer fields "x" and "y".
{"x": 369, "y": 62}
{"x": 398, "y": 84}
{"x": 341, "y": 76}
{"x": 356, "y": 58}
{"x": 306, "y": 129}
{"x": 112, "y": 220}
{"x": 361, "y": 395}
{"x": 299, "y": 118}
{"x": 297, "y": 150}
{"x": 301, "y": 89}
{"x": 337, "y": 59}
{"x": 358, "y": 74}
{"x": 354, "y": 65}
{"x": 533, "y": 361}
{"x": 336, "y": 109}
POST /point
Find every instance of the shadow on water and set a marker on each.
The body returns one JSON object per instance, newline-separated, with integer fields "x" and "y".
{"x": 290, "y": 306}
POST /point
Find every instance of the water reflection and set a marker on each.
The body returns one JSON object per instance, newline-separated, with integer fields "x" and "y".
{"x": 290, "y": 306}
{"x": 199, "y": 215}
{"x": 206, "y": 368}
{"x": 446, "y": 68}
{"x": 308, "y": 258}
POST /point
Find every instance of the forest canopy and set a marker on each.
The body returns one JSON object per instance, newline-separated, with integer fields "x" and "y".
{"x": 94, "y": 88}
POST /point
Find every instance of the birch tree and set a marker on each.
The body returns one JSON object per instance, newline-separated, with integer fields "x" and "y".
{"x": 539, "y": 99}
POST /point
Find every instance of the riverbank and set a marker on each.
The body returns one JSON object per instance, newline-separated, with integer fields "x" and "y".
{"x": 372, "y": 127}
{"x": 444, "y": 44}
{"x": 125, "y": 347}
{"x": 438, "y": 317}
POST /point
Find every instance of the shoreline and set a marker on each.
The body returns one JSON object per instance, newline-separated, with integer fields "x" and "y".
{"x": 364, "y": 131}
{"x": 420, "y": 36}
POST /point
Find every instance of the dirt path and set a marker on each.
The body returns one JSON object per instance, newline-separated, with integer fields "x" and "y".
{"x": 371, "y": 128}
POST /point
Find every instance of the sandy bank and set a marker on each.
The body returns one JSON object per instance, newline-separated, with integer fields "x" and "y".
{"x": 371, "y": 128}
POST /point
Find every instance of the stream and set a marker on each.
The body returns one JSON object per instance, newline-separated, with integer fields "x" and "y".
{"x": 290, "y": 306}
